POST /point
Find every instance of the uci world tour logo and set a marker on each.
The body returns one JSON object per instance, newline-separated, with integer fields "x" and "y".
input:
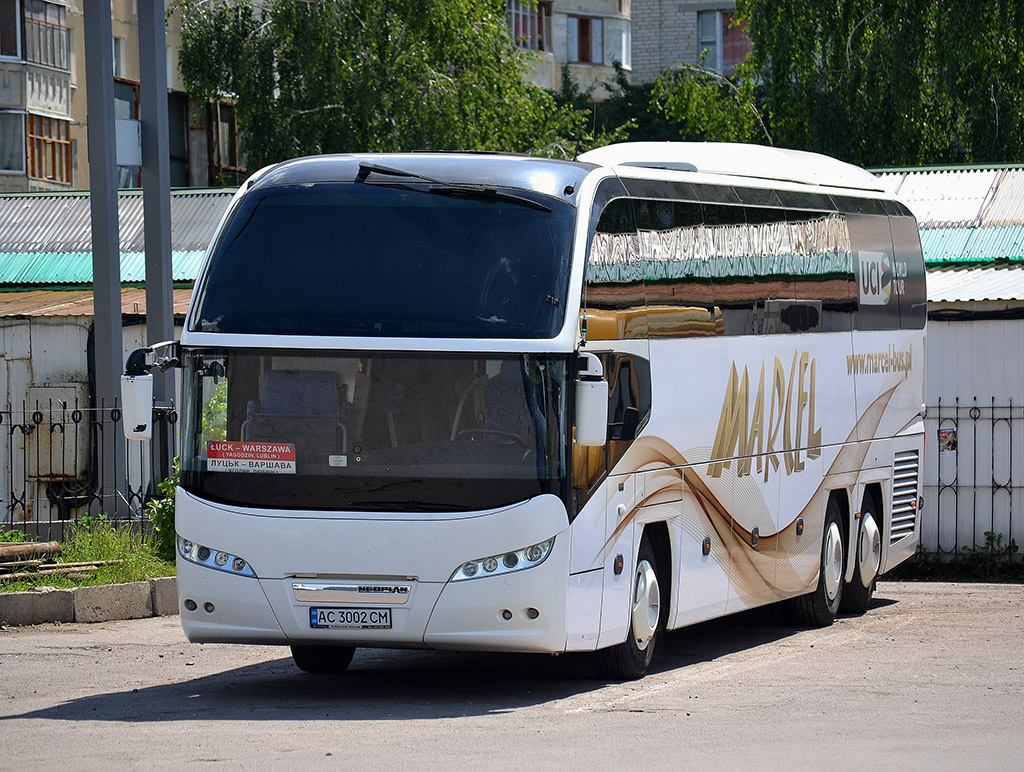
{"x": 875, "y": 280}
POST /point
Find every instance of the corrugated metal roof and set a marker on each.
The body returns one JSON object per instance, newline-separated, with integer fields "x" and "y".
{"x": 959, "y": 244}
{"x": 970, "y": 197}
{"x": 59, "y": 268}
{"x": 970, "y": 283}
{"x": 36, "y": 303}
{"x": 47, "y": 239}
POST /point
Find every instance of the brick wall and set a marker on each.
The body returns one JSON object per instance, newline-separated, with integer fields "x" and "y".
{"x": 665, "y": 33}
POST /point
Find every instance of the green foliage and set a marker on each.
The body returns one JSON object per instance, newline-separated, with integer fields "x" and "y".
{"x": 881, "y": 82}
{"x": 989, "y": 562}
{"x": 9, "y": 536}
{"x": 97, "y": 538}
{"x": 215, "y": 413}
{"x": 161, "y": 513}
{"x": 368, "y": 75}
{"x": 704, "y": 106}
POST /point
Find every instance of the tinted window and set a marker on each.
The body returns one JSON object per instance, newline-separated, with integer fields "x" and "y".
{"x": 613, "y": 299}
{"x": 390, "y": 260}
{"x": 368, "y": 431}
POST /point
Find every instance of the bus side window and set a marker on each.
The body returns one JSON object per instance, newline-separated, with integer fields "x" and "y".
{"x": 614, "y": 301}
{"x": 629, "y": 397}
{"x": 629, "y": 407}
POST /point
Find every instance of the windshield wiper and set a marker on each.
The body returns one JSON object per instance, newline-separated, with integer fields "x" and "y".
{"x": 366, "y": 169}
{"x": 485, "y": 192}
{"x": 454, "y": 189}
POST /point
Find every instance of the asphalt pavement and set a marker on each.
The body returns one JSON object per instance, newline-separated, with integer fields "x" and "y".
{"x": 931, "y": 678}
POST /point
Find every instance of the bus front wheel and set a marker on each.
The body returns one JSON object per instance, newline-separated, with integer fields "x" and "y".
{"x": 631, "y": 658}
{"x": 323, "y": 659}
{"x": 819, "y": 608}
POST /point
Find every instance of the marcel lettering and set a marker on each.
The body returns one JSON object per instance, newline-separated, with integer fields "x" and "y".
{"x": 790, "y": 429}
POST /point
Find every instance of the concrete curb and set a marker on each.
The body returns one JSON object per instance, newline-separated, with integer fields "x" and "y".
{"x": 101, "y": 603}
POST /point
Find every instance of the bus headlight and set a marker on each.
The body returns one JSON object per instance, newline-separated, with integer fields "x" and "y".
{"x": 209, "y": 557}
{"x": 505, "y": 562}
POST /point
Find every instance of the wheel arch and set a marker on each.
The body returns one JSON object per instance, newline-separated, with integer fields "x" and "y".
{"x": 661, "y": 544}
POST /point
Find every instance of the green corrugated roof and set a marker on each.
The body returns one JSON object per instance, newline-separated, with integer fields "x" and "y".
{"x": 973, "y": 245}
{"x": 63, "y": 268}
{"x": 46, "y": 239}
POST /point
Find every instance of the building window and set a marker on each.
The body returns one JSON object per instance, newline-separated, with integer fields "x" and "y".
{"x": 12, "y": 142}
{"x": 119, "y": 66}
{"x": 177, "y": 124}
{"x": 225, "y": 165}
{"x": 586, "y": 40}
{"x": 46, "y": 35}
{"x": 49, "y": 149}
{"x": 9, "y": 28}
{"x": 723, "y": 42}
{"x": 530, "y": 24}
{"x": 126, "y": 107}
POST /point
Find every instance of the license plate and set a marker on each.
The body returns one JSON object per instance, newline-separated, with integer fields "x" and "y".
{"x": 351, "y": 618}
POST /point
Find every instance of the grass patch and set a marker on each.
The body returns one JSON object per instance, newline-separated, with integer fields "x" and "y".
{"x": 94, "y": 539}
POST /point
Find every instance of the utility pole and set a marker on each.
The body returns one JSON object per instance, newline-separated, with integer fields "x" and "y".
{"x": 106, "y": 253}
{"x": 156, "y": 193}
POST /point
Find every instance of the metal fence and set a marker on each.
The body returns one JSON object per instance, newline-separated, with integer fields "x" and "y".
{"x": 974, "y": 480}
{"x": 53, "y": 471}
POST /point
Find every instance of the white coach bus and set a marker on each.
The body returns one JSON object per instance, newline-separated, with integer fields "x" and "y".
{"x": 489, "y": 402}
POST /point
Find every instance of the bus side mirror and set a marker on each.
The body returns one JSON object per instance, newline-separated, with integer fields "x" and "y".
{"x": 137, "y": 397}
{"x": 591, "y": 403}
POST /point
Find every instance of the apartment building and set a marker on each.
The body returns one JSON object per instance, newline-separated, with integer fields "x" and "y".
{"x": 669, "y": 32}
{"x": 588, "y": 35}
{"x": 43, "y": 112}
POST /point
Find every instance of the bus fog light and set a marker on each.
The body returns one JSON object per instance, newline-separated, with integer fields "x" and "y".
{"x": 506, "y": 615}
{"x": 208, "y": 607}
{"x": 191, "y": 605}
{"x": 532, "y": 613}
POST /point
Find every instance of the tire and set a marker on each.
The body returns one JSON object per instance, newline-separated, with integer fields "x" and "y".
{"x": 630, "y": 659}
{"x": 323, "y": 660}
{"x": 857, "y": 593}
{"x": 819, "y": 608}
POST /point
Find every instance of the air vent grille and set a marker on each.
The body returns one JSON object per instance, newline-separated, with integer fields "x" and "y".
{"x": 906, "y": 469}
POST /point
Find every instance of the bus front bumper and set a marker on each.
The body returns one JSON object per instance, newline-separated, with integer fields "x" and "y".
{"x": 519, "y": 611}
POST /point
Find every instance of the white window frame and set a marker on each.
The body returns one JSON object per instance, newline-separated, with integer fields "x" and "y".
{"x": 596, "y": 39}
{"x": 16, "y": 56}
{"x": 19, "y": 116}
{"x": 704, "y": 42}
{"x": 118, "y": 50}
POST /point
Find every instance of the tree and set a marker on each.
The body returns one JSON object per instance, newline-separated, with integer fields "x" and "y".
{"x": 321, "y": 76}
{"x": 881, "y": 82}
{"x": 702, "y": 105}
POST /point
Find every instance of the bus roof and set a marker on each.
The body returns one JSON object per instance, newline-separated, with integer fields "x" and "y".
{"x": 736, "y": 160}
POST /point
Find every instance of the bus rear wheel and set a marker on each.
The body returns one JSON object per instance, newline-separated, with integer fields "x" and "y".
{"x": 819, "y": 608}
{"x": 630, "y": 659}
{"x": 857, "y": 593}
{"x": 323, "y": 659}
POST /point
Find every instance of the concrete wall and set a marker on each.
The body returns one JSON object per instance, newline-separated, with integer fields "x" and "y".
{"x": 42, "y": 360}
{"x": 978, "y": 363}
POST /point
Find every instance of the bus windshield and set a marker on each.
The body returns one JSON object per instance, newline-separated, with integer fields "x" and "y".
{"x": 370, "y": 431}
{"x": 392, "y": 260}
